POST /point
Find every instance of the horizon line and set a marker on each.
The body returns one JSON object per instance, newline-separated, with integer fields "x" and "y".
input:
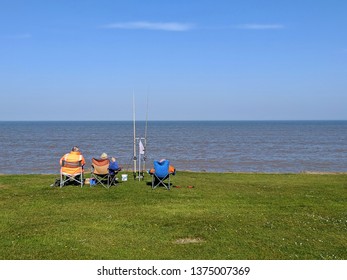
{"x": 205, "y": 120}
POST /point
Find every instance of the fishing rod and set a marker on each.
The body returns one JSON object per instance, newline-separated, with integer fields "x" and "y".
{"x": 146, "y": 126}
{"x": 142, "y": 147}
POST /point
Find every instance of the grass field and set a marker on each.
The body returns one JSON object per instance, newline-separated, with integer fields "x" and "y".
{"x": 225, "y": 216}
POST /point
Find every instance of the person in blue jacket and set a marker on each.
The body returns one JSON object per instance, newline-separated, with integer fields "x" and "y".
{"x": 114, "y": 167}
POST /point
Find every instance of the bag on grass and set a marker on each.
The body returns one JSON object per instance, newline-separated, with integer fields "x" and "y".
{"x": 56, "y": 183}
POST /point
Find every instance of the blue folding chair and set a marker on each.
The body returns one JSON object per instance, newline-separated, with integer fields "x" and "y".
{"x": 161, "y": 174}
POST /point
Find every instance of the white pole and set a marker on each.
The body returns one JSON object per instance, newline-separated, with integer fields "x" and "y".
{"x": 140, "y": 165}
{"x": 134, "y": 126}
{"x": 145, "y": 155}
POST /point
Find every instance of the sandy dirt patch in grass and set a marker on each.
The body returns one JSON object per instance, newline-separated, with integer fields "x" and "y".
{"x": 188, "y": 240}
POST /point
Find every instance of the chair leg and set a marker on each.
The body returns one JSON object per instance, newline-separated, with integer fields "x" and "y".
{"x": 157, "y": 181}
{"x": 112, "y": 180}
{"x": 73, "y": 180}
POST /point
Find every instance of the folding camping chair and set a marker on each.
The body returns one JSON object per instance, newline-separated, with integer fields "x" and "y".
{"x": 71, "y": 172}
{"x": 101, "y": 173}
{"x": 160, "y": 174}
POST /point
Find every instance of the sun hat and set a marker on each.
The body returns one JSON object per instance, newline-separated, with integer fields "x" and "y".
{"x": 103, "y": 156}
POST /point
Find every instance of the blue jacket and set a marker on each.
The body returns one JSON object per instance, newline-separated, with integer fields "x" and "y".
{"x": 113, "y": 167}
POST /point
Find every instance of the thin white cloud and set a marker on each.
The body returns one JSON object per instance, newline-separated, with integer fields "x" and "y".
{"x": 165, "y": 26}
{"x": 259, "y": 26}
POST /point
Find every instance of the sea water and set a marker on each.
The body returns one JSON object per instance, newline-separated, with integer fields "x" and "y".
{"x": 222, "y": 146}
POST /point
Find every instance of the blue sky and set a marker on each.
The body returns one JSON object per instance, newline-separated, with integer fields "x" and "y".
{"x": 195, "y": 60}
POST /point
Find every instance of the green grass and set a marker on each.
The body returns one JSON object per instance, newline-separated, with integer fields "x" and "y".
{"x": 225, "y": 216}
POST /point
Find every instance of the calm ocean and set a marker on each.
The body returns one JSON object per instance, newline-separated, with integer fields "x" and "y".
{"x": 223, "y": 146}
